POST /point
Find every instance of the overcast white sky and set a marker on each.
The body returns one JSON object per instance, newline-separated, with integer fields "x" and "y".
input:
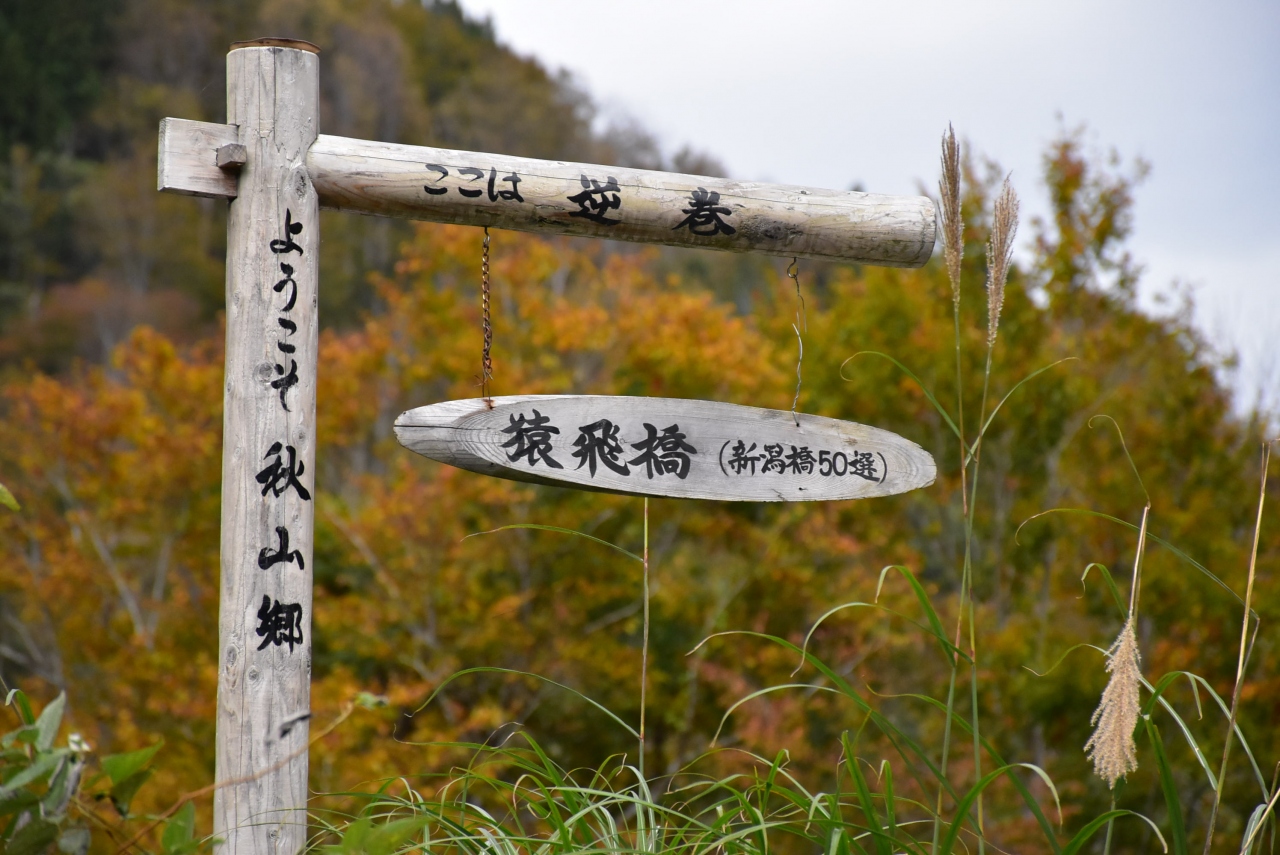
{"x": 829, "y": 92}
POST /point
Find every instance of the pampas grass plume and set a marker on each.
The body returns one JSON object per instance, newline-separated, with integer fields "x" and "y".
{"x": 1004, "y": 226}
{"x": 1111, "y": 747}
{"x": 952, "y": 222}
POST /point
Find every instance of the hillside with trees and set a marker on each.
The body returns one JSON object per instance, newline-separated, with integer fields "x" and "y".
{"x": 110, "y": 437}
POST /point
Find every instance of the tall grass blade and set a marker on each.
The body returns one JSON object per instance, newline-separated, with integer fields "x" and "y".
{"x": 890, "y": 806}
{"x": 1110, "y": 583}
{"x": 926, "y": 605}
{"x": 1177, "y": 824}
{"x": 907, "y": 747}
{"x": 880, "y": 837}
{"x": 1085, "y": 834}
{"x": 1246, "y": 846}
{"x": 1161, "y": 541}
{"x": 1124, "y": 447}
{"x": 558, "y": 530}
{"x": 923, "y": 388}
{"x": 935, "y": 629}
{"x": 1063, "y": 658}
{"x": 1251, "y": 828}
{"x": 1246, "y": 647}
{"x": 1034, "y": 374}
{"x": 962, "y": 808}
{"x": 1157, "y": 692}
{"x": 486, "y": 669}
{"x": 1027, "y": 798}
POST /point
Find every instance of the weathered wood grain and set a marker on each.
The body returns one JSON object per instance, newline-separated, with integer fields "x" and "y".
{"x": 667, "y": 447}
{"x": 231, "y": 156}
{"x": 264, "y": 623}
{"x": 188, "y": 159}
{"x": 524, "y": 194}
{"x": 395, "y": 180}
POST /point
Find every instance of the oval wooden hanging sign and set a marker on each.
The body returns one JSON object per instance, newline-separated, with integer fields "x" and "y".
{"x": 666, "y": 447}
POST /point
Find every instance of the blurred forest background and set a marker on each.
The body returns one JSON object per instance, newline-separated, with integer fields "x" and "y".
{"x": 110, "y": 422}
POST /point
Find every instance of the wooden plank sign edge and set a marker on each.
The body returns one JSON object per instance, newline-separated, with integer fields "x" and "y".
{"x": 668, "y": 447}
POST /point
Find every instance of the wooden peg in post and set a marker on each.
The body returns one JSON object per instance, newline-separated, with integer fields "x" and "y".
{"x": 231, "y": 156}
{"x": 268, "y": 458}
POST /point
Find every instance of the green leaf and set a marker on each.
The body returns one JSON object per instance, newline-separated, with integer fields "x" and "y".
{"x": 370, "y": 701}
{"x": 49, "y": 722}
{"x": 41, "y": 766}
{"x": 61, "y": 788}
{"x": 32, "y": 838}
{"x": 180, "y": 830}
{"x": 122, "y": 793}
{"x": 18, "y": 699}
{"x": 24, "y": 735}
{"x": 7, "y": 499}
{"x": 363, "y": 837}
{"x": 122, "y": 766}
{"x": 17, "y": 801}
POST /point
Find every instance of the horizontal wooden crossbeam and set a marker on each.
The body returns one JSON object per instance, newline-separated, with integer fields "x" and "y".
{"x": 472, "y": 188}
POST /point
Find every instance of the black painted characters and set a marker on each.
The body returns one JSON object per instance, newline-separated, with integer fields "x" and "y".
{"x": 279, "y": 623}
{"x": 704, "y": 213}
{"x": 596, "y": 200}
{"x": 600, "y": 200}
{"x": 599, "y": 446}
{"x": 602, "y": 446}
{"x": 268, "y": 558}
{"x": 737, "y": 458}
{"x": 467, "y": 189}
{"x": 279, "y": 476}
{"x": 599, "y": 441}
{"x": 286, "y": 378}
{"x": 664, "y": 453}
{"x": 531, "y": 439}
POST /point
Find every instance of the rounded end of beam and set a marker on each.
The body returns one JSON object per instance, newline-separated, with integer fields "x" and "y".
{"x": 295, "y": 44}
{"x": 929, "y": 234}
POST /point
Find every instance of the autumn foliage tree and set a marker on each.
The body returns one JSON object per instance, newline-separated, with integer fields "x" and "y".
{"x": 110, "y": 429}
{"x": 112, "y": 563}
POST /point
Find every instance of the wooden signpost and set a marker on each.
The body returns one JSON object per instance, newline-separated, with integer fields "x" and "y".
{"x": 277, "y": 170}
{"x": 667, "y": 447}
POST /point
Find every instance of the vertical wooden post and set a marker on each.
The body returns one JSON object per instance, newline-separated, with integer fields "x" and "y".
{"x": 268, "y": 458}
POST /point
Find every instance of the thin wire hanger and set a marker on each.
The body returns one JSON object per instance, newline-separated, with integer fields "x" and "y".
{"x": 802, "y": 321}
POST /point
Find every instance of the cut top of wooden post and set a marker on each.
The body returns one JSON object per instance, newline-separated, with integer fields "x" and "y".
{"x": 474, "y": 188}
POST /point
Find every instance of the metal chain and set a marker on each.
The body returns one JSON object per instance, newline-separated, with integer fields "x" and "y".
{"x": 802, "y": 321}
{"x": 486, "y": 363}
